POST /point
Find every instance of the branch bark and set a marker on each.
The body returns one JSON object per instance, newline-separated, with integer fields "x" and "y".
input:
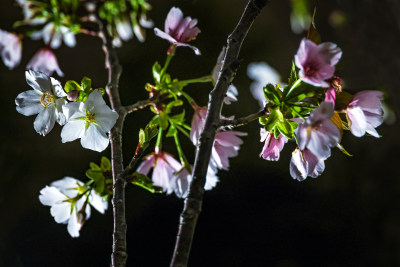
{"x": 230, "y": 124}
{"x": 119, "y": 252}
{"x": 193, "y": 202}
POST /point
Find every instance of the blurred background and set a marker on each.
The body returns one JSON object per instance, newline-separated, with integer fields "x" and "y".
{"x": 257, "y": 215}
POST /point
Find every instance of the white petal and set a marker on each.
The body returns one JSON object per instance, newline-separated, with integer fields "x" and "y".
{"x": 94, "y": 139}
{"x": 95, "y": 99}
{"x": 73, "y": 226}
{"x": 61, "y": 212}
{"x": 28, "y": 103}
{"x": 38, "y": 81}
{"x": 106, "y": 118}
{"x": 45, "y": 120}
{"x": 72, "y": 110}
{"x": 97, "y": 202}
{"x": 73, "y": 130}
{"x": 60, "y": 117}
{"x": 68, "y": 36}
{"x": 50, "y": 196}
{"x": 358, "y": 123}
{"x": 58, "y": 89}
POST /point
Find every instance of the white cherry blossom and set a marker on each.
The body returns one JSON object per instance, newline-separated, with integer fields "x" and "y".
{"x": 46, "y": 100}
{"x": 89, "y": 121}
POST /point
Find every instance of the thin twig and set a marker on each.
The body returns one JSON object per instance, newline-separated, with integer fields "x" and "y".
{"x": 230, "y": 124}
{"x": 193, "y": 202}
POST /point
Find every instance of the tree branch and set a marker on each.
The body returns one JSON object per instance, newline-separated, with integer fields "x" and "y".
{"x": 119, "y": 252}
{"x": 193, "y": 202}
{"x": 230, "y": 124}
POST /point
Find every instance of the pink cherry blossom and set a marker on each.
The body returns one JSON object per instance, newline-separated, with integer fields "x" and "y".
{"x": 226, "y": 145}
{"x": 184, "y": 178}
{"x": 365, "y": 113}
{"x": 10, "y": 49}
{"x": 164, "y": 168}
{"x": 272, "y": 147}
{"x": 304, "y": 164}
{"x": 45, "y": 61}
{"x": 317, "y": 62}
{"x": 179, "y": 30}
{"x": 199, "y": 119}
{"x": 318, "y": 133}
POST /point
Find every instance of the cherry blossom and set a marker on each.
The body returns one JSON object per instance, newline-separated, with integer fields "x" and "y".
{"x": 53, "y": 35}
{"x": 226, "y": 145}
{"x": 318, "y": 133}
{"x": 272, "y": 147}
{"x": 69, "y": 200}
{"x": 179, "y": 30}
{"x": 46, "y": 99}
{"x": 184, "y": 178}
{"x": 262, "y": 74}
{"x": 164, "y": 168}
{"x": 45, "y": 61}
{"x": 365, "y": 113}
{"x": 89, "y": 121}
{"x": 317, "y": 62}
{"x": 305, "y": 163}
{"x": 10, "y": 49}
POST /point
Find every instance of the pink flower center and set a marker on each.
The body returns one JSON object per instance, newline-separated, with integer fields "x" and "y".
{"x": 309, "y": 70}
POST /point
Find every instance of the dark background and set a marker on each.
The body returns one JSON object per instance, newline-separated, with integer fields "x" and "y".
{"x": 257, "y": 215}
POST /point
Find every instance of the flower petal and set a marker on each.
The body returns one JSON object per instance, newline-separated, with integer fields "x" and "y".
{"x": 95, "y": 139}
{"x": 50, "y": 195}
{"x": 61, "y": 212}
{"x": 28, "y": 103}
{"x": 73, "y": 130}
{"x": 45, "y": 120}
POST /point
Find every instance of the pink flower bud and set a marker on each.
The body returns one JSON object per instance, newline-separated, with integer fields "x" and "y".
{"x": 73, "y": 95}
{"x": 45, "y": 61}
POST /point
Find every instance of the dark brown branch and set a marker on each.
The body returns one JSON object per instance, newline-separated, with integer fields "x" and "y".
{"x": 193, "y": 202}
{"x": 230, "y": 124}
{"x": 119, "y": 253}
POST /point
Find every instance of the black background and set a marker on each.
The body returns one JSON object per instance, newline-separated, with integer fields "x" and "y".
{"x": 257, "y": 215}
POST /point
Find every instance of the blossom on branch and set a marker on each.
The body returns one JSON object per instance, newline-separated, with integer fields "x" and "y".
{"x": 317, "y": 62}
{"x": 365, "y": 113}
{"x": 272, "y": 147}
{"x": 10, "y": 49}
{"x": 53, "y": 35}
{"x": 318, "y": 133}
{"x": 68, "y": 199}
{"x": 184, "y": 178}
{"x": 179, "y": 30}
{"x": 45, "y": 61}
{"x": 262, "y": 74}
{"x": 164, "y": 168}
{"x": 89, "y": 121}
{"x": 305, "y": 163}
{"x": 46, "y": 100}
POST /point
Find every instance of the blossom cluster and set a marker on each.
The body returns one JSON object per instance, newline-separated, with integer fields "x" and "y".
{"x": 317, "y": 128}
{"x": 88, "y": 120}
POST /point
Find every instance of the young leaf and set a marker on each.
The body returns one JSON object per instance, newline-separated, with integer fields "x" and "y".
{"x": 156, "y": 72}
{"x": 313, "y": 34}
{"x": 144, "y": 182}
{"x": 105, "y": 164}
{"x": 86, "y": 84}
{"x": 72, "y": 86}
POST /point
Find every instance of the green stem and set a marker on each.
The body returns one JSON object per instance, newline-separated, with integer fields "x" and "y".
{"x": 159, "y": 140}
{"x": 164, "y": 69}
{"x": 204, "y": 79}
{"x": 182, "y": 157}
{"x": 188, "y": 97}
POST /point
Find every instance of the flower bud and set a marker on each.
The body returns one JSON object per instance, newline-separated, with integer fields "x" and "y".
{"x": 73, "y": 95}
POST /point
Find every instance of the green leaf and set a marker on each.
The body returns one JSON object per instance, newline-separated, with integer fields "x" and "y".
{"x": 172, "y": 131}
{"x": 163, "y": 120}
{"x": 94, "y": 175}
{"x": 313, "y": 34}
{"x": 156, "y": 72}
{"x": 285, "y": 128}
{"x": 144, "y": 182}
{"x": 99, "y": 187}
{"x": 105, "y": 164}
{"x": 173, "y": 104}
{"x": 293, "y": 74}
{"x": 86, "y": 84}
{"x": 343, "y": 150}
{"x": 178, "y": 119}
{"x": 72, "y": 86}
{"x": 272, "y": 94}
{"x": 94, "y": 166}
{"x": 274, "y": 117}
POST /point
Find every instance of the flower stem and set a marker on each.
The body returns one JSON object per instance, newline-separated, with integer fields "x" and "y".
{"x": 164, "y": 69}
{"x": 182, "y": 156}
{"x": 159, "y": 140}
